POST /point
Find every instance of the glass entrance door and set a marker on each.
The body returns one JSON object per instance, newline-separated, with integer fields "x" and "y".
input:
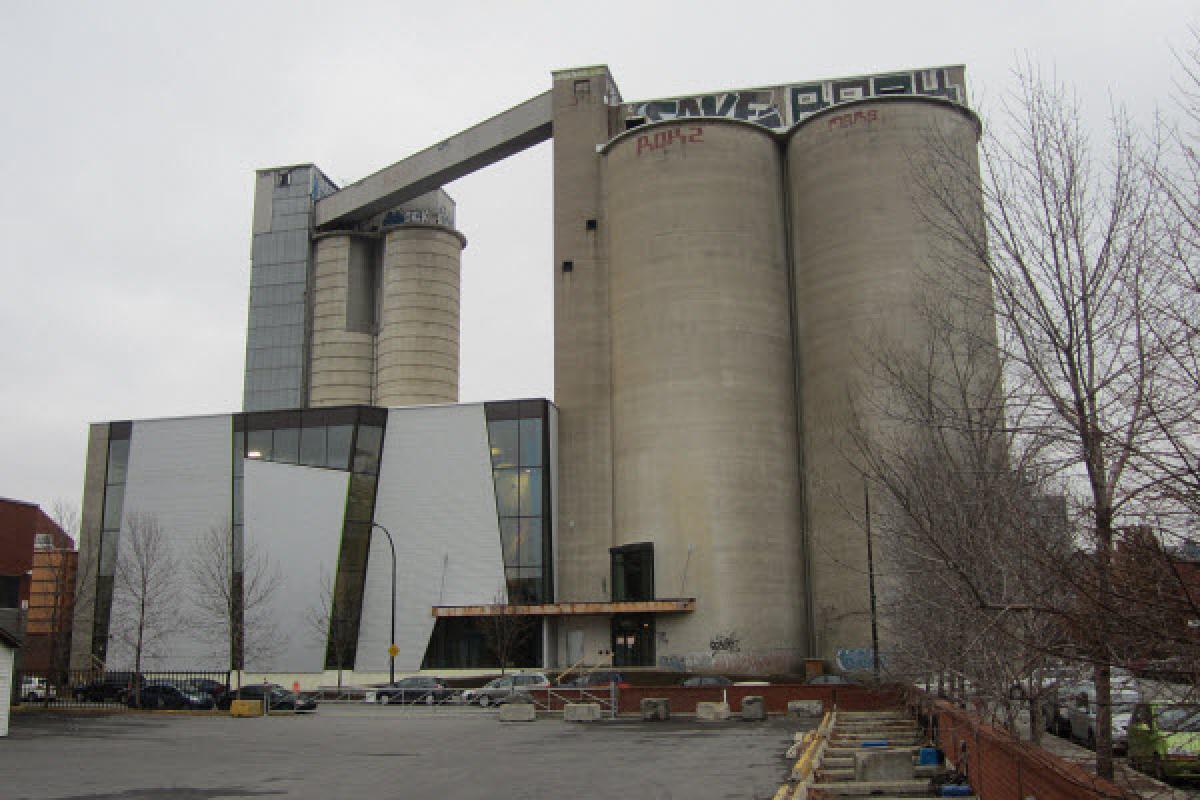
{"x": 633, "y": 640}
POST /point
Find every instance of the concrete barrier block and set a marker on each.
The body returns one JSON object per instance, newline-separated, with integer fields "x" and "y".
{"x": 655, "y": 709}
{"x": 805, "y": 708}
{"x": 518, "y": 712}
{"x": 884, "y": 765}
{"x": 581, "y": 712}
{"x": 246, "y": 708}
{"x": 753, "y": 707}
{"x": 712, "y": 712}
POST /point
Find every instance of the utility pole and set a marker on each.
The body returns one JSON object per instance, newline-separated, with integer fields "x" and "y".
{"x": 871, "y": 580}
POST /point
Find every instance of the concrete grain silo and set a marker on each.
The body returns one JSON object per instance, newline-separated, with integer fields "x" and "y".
{"x": 418, "y": 345}
{"x": 342, "y": 370}
{"x": 704, "y": 430}
{"x": 865, "y": 261}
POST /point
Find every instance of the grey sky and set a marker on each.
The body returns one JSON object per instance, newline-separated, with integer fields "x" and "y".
{"x": 131, "y": 131}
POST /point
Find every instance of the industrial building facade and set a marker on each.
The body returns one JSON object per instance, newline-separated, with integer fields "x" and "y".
{"x": 719, "y": 262}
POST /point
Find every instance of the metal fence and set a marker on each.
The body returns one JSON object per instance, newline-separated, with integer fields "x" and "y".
{"x": 115, "y": 690}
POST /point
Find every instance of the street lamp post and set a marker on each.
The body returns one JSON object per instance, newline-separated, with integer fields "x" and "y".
{"x": 392, "y": 644}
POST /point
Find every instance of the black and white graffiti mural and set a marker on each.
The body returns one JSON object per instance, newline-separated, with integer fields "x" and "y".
{"x": 781, "y": 106}
{"x": 809, "y": 98}
{"x": 752, "y": 106}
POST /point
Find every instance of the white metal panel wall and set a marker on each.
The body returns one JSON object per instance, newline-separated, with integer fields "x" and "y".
{"x": 293, "y": 516}
{"x": 437, "y": 499}
{"x": 180, "y": 472}
{"x": 6, "y": 676}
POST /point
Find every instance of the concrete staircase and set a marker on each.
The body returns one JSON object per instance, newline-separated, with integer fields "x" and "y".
{"x": 862, "y": 754}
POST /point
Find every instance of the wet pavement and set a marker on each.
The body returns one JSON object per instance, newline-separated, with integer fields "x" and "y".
{"x": 361, "y": 751}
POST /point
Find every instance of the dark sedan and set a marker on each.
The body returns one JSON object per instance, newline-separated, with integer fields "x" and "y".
{"x": 279, "y": 699}
{"x": 163, "y": 695}
{"x": 416, "y": 689}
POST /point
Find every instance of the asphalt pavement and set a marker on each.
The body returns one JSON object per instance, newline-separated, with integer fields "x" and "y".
{"x": 369, "y": 752}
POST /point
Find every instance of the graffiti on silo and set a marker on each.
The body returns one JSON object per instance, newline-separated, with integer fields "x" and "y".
{"x": 752, "y": 106}
{"x": 781, "y": 106}
{"x": 807, "y": 99}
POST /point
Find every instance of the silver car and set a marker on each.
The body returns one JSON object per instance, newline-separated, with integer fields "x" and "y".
{"x": 503, "y": 689}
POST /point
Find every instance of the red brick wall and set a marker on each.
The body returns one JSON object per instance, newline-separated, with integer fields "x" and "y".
{"x": 1001, "y": 768}
{"x": 18, "y": 523}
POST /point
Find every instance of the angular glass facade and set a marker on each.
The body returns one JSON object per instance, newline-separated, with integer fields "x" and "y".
{"x": 348, "y": 438}
{"x": 519, "y": 440}
{"x": 116, "y": 469}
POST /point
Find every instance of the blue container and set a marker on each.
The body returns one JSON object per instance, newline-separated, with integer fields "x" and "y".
{"x": 956, "y": 791}
{"x": 929, "y": 756}
{"x": 875, "y": 743}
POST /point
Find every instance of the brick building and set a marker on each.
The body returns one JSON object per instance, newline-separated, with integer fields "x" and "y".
{"x": 37, "y": 577}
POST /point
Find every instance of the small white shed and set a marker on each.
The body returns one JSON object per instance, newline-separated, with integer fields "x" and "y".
{"x": 8, "y": 657}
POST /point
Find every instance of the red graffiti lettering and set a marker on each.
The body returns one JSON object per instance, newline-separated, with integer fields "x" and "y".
{"x": 853, "y": 118}
{"x": 667, "y": 137}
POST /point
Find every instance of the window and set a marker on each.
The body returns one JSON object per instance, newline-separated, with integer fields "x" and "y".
{"x": 632, "y": 572}
{"x": 285, "y": 178}
{"x": 43, "y": 541}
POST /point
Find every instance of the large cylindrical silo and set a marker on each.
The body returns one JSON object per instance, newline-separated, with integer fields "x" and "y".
{"x": 418, "y": 342}
{"x": 868, "y": 268}
{"x": 704, "y": 429}
{"x": 341, "y": 370}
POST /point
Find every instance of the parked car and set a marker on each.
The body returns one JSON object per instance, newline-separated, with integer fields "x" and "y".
{"x": 1083, "y": 716}
{"x": 706, "y": 680}
{"x": 278, "y": 698}
{"x": 596, "y": 680}
{"x": 504, "y": 689}
{"x": 416, "y": 689}
{"x": 206, "y": 685}
{"x": 830, "y": 680}
{"x": 36, "y": 690}
{"x": 1164, "y": 739}
{"x": 111, "y": 687}
{"x": 166, "y": 695}
{"x": 1056, "y": 707}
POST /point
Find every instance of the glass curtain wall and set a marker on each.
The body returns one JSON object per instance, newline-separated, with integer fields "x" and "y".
{"x": 349, "y": 439}
{"x": 116, "y": 469}
{"x": 518, "y": 436}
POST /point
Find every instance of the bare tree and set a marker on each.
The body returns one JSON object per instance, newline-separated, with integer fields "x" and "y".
{"x": 145, "y": 591}
{"x": 1071, "y": 240}
{"x": 334, "y": 632}
{"x": 968, "y": 537}
{"x": 505, "y": 631}
{"x": 233, "y": 593}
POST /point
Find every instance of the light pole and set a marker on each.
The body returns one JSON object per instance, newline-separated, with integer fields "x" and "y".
{"x": 392, "y": 645}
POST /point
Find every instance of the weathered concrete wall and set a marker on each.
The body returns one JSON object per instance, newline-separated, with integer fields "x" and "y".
{"x": 582, "y": 348}
{"x": 704, "y": 415}
{"x": 418, "y": 345}
{"x": 342, "y": 366}
{"x": 865, "y": 259}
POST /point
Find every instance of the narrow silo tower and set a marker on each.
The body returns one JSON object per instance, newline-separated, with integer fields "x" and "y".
{"x": 418, "y": 345}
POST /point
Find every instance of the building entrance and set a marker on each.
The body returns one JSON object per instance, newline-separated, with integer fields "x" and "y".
{"x": 633, "y": 640}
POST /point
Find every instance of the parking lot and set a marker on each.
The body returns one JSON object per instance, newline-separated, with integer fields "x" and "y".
{"x": 361, "y": 751}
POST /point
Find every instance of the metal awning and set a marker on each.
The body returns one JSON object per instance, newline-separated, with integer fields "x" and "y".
{"x": 663, "y": 606}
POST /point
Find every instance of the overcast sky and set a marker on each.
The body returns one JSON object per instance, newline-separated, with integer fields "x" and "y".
{"x": 130, "y": 133}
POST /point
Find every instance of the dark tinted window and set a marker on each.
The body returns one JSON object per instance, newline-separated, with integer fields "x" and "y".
{"x": 10, "y": 591}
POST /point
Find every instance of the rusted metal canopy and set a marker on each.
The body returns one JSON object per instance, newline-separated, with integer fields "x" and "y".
{"x": 665, "y": 606}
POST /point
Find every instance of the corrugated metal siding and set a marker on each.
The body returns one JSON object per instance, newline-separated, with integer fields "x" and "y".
{"x": 180, "y": 472}
{"x": 294, "y": 516}
{"x": 437, "y": 499}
